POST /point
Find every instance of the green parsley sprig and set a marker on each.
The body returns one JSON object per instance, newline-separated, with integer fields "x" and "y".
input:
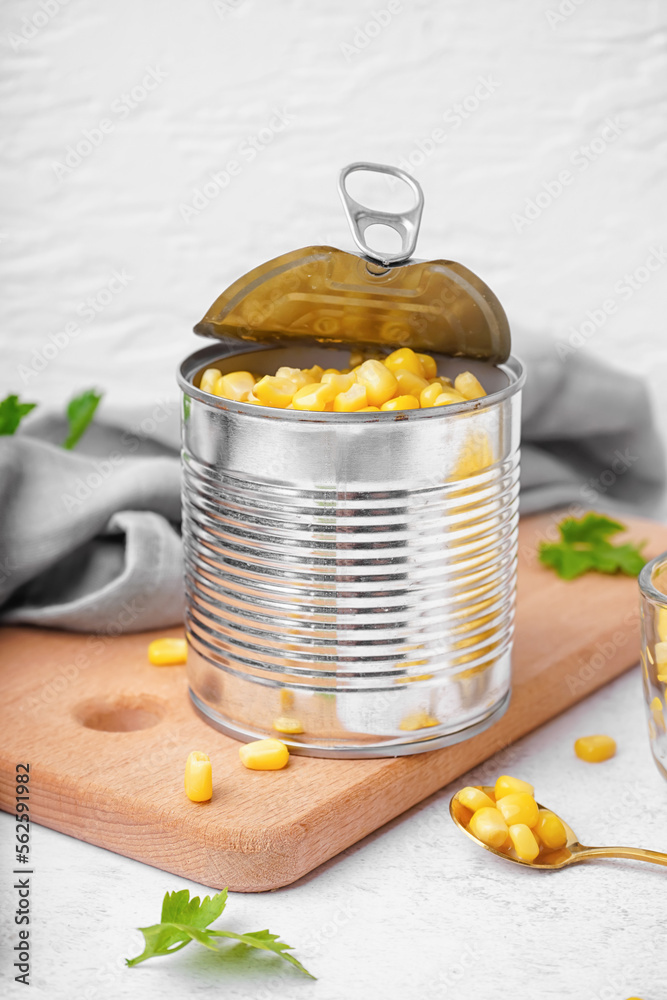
{"x": 12, "y": 412}
{"x": 184, "y": 920}
{"x": 80, "y": 412}
{"x": 585, "y": 546}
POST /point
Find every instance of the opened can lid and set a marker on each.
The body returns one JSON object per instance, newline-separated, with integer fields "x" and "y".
{"x": 322, "y": 294}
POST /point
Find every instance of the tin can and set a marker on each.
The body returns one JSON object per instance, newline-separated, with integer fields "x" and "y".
{"x": 354, "y": 573}
{"x": 350, "y": 577}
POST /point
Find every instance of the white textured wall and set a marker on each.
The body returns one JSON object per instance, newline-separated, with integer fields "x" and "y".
{"x": 332, "y": 90}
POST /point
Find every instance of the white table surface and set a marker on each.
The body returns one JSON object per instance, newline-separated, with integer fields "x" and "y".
{"x": 413, "y": 911}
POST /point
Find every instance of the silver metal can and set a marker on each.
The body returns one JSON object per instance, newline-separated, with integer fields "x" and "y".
{"x": 351, "y": 577}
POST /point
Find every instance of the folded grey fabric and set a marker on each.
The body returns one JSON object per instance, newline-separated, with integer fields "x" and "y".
{"x": 89, "y": 539}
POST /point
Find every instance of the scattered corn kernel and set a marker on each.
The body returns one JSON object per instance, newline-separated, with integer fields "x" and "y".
{"x": 595, "y": 748}
{"x": 167, "y": 652}
{"x": 518, "y": 808}
{"x": 367, "y": 409}
{"x": 209, "y": 379}
{"x": 198, "y": 777}
{"x": 550, "y": 830}
{"x": 469, "y": 386}
{"x": 474, "y": 798}
{"x": 284, "y": 724}
{"x": 264, "y": 755}
{"x": 488, "y": 825}
{"x": 506, "y": 785}
{"x": 523, "y": 841}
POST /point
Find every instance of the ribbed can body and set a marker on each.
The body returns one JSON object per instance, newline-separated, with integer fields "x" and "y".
{"x": 350, "y": 578}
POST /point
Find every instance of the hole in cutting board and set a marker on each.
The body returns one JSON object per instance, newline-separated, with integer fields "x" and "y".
{"x": 120, "y": 715}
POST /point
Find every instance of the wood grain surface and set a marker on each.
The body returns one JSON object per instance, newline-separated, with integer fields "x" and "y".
{"x": 72, "y": 702}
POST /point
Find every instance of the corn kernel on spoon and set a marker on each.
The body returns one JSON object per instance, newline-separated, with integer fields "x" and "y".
{"x": 570, "y": 854}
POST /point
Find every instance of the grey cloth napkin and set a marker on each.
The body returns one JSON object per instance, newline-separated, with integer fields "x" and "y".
{"x": 89, "y": 540}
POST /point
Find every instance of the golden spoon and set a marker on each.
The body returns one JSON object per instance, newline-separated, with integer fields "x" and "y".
{"x": 571, "y": 854}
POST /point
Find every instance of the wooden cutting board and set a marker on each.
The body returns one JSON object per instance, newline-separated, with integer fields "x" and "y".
{"x": 65, "y": 694}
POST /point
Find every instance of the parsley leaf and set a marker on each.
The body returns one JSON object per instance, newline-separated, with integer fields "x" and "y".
{"x": 80, "y": 412}
{"x": 12, "y": 413}
{"x": 184, "y": 920}
{"x": 585, "y": 546}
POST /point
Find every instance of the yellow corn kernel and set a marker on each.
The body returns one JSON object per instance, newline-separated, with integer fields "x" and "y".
{"x": 518, "y": 808}
{"x": 286, "y": 699}
{"x": 409, "y": 384}
{"x": 445, "y": 382}
{"x": 429, "y": 366}
{"x": 401, "y": 403}
{"x": 314, "y": 374}
{"x": 595, "y": 748}
{"x": 523, "y": 842}
{"x": 469, "y": 386}
{"x": 369, "y": 409}
{"x": 474, "y": 799}
{"x": 379, "y": 382}
{"x": 417, "y": 720}
{"x": 356, "y": 358}
{"x": 296, "y": 375}
{"x": 550, "y": 830}
{"x": 661, "y": 653}
{"x": 488, "y": 825}
{"x": 354, "y": 398}
{"x": 448, "y": 397}
{"x": 198, "y": 777}
{"x": 341, "y": 383}
{"x": 405, "y": 358}
{"x": 209, "y": 378}
{"x": 506, "y": 785}
{"x": 662, "y": 623}
{"x": 236, "y": 385}
{"x": 273, "y": 391}
{"x": 264, "y": 755}
{"x": 428, "y": 396}
{"x": 167, "y": 652}
{"x": 283, "y": 724}
{"x": 313, "y": 397}
{"x": 658, "y": 717}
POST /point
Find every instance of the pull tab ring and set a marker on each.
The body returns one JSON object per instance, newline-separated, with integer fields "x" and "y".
{"x": 406, "y": 224}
